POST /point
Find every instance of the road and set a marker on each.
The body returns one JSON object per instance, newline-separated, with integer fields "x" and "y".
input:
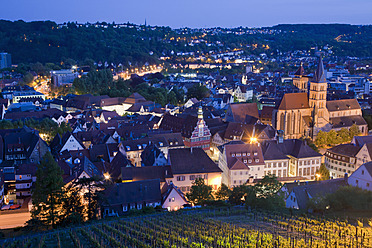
{"x": 12, "y": 220}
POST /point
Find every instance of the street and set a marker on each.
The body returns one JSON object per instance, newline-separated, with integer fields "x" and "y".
{"x": 13, "y": 220}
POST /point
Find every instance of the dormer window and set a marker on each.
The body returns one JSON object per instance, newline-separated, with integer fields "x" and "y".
{"x": 128, "y": 148}
{"x": 244, "y": 154}
{"x": 257, "y": 160}
{"x": 250, "y": 161}
{"x": 245, "y": 161}
{"x": 233, "y": 155}
{"x": 255, "y": 153}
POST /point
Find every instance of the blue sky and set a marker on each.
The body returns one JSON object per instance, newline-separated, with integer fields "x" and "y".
{"x": 191, "y": 13}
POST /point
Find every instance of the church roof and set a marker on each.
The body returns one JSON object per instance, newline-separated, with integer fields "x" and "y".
{"x": 294, "y": 101}
{"x": 300, "y": 71}
{"x": 344, "y": 104}
{"x": 319, "y": 75}
{"x": 347, "y": 121}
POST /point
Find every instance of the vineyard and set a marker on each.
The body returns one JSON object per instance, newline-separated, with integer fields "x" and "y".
{"x": 205, "y": 229}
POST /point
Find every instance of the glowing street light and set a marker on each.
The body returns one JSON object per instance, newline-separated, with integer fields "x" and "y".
{"x": 253, "y": 140}
{"x": 107, "y": 176}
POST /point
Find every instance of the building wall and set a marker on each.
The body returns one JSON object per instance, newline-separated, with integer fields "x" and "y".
{"x": 72, "y": 144}
{"x": 361, "y": 178}
{"x": 338, "y": 165}
{"x": 174, "y": 201}
{"x": 291, "y": 201}
{"x": 184, "y": 181}
{"x": 362, "y": 156}
{"x": 278, "y": 168}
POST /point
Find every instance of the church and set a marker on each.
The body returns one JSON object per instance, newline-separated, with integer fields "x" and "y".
{"x": 305, "y": 113}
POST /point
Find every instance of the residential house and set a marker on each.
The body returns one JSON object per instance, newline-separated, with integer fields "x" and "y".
{"x": 68, "y": 141}
{"x": 132, "y": 174}
{"x": 173, "y": 198}
{"x": 242, "y": 93}
{"x": 187, "y": 164}
{"x": 300, "y": 196}
{"x": 242, "y": 112}
{"x": 239, "y": 162}
{"x": 25, "y": 178}
{"x": 191, "y": 102}
{"x": 153, "y": 156}
{"x": 362, "y": 177}
{"x": 123, "y": 197}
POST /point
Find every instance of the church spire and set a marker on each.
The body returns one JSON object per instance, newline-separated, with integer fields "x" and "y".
{"x": 300, "y": 71}
{"x": 319, "y": 75}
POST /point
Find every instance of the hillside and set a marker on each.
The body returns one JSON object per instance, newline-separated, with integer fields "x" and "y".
{"x": 46, "y": 41}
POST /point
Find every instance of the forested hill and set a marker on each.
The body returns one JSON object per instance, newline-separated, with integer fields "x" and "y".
{"x": 31, "y": 42}
{"x": 345, "y": 39}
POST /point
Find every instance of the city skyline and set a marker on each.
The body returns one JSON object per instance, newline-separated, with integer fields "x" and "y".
{"x": 192, "y": 13}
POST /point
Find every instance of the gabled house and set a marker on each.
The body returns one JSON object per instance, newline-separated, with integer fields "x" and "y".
{"x": 68, "y": 141}
{"x": 22, "y": 146}
{"x": 173, "y": 198}
{"x": 239, "y": 162}
{"x": 362, "y": 177}
{"x": 123, "y": 197}
{"x": 299, "y": 197}
{"x": 153, "y": 156}
{"x": 187, "y": 164}
{"x": 241, "y": 112}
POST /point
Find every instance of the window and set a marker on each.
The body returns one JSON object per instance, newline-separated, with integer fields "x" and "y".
{"x": 233, "y": 155}
{"x": 245, "y": 161}
{"x": 249, "y": 160}
{"x": 356, "y": 181}
{"x": 367, "y": 184}
{"x": 362, "y": 172}
{"x": 257, "y": 160}
{"x": 180, "y": 178}
{"x": 192, "y": 177}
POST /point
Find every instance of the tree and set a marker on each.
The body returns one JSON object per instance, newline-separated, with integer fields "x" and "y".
{"x": 266, "y": 194}
{"x": 200, "y": 192}
{"x": 223, "y": 193}
{"x": 353, "y": 131}
{"x": 48, "y": 193}
{"x": 72, "y": 206}
{"x": 92, "y": 188}
{"x": 198, "y": 91}
{"x": 238, "y": 194}
{"x": 322, "y": 173}
{"x": 321, "y": 138}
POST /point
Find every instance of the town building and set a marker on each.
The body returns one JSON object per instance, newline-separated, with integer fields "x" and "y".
{"x": 123, "y": 197}
{"x": 305, "y": 114}
{"x": 290, "y": 158}
{"x": 239, "y": 162}
{"x": 63, "y": 77}
{"x": 362, "y": 177}
{"x": 5, "y": 60}
{"x": 341, "y": 159}
{"x": 187, "y": 164}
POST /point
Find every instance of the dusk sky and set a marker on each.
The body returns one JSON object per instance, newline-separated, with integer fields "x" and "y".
{"x": 192, "y": 13}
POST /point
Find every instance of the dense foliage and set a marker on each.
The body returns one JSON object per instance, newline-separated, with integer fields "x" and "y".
{"x": 347, "y": 198}
{"x": 333, "y": 137}
{"x": 45, "y": 126}
{"x": 48, "y": 193}
{"x": 31, "y": 42}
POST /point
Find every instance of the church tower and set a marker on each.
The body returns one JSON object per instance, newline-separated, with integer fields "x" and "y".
{"x": 318, "y": 97}
{"x": 299, "y": 80}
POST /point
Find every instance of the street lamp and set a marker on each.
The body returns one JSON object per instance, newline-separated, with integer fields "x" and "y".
{"x": 107, "y": 176}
